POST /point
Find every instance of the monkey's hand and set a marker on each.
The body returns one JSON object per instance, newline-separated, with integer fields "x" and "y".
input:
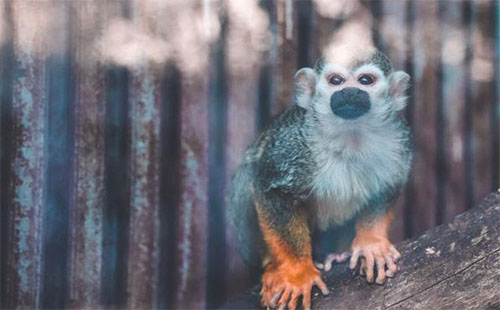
{"x": 375, "y": 252}
{"x": 283, "y": 284}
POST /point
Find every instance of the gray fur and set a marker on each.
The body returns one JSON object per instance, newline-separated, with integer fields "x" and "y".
{"x": 243, "y": 216}
{"x": 380, "y": 60}
{"x": 320, "y": 64}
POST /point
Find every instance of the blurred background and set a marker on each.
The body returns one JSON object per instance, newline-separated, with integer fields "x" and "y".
{"x": 122, "y": 122}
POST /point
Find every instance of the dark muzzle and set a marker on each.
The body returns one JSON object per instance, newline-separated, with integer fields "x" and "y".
{"x": 350, "y": 103}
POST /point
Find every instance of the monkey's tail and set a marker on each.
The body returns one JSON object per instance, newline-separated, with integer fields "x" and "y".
{"x": 243, "y": 217}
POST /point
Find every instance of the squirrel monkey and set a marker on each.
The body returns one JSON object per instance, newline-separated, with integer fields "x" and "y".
{"x": 338, "y": 156}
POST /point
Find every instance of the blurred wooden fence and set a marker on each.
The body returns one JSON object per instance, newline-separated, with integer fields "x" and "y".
{"x": 113, "y": 174}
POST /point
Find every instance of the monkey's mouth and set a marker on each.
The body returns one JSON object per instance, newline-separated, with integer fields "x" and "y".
{"x": 350, "y": 103}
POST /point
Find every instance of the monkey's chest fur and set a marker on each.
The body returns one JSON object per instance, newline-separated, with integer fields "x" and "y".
{"x": 357, "y": 169}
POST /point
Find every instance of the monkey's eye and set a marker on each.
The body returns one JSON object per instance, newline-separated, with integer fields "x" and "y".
{"x": 336, "y": 80}
{"x": 365, "y": 79}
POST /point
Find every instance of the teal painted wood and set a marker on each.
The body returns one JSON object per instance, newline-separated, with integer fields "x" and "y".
{"x": 143, "y": 246}
{"x": 191, "y": 251}
{"x": 58, "y": 154}
{"x": 25, "y": 170}
{"x": 117, "y": 188}
{"x": 116, "y": 214}
{"x": 88, "y": 199}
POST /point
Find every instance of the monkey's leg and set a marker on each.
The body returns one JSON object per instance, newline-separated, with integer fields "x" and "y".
{"x": 290, "y": 272}
{"x": 374, "y": 248}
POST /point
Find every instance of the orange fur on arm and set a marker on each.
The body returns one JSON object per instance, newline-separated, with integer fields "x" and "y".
{"x": 281, "y": 251}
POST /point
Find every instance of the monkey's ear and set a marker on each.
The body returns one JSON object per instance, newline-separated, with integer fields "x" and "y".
{"x": 305, "y": 83}
{"x": 399, "y": 82}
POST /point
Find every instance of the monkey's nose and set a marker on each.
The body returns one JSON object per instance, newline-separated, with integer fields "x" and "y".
{"x": 350, "y": 103}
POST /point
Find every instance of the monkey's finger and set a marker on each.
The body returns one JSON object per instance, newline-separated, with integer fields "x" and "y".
{"x": 284, "y": 298}
{"x": 320, "y": 266}
{"x": 264, "y": 290}
{"x": 322, "y": 286}
{"x": 390, "y": 265}
{"x": 395, "y": 253}
{"x": 306, "y": 300}
{"x": 370, "y": 262}
{"x": 264, "y": 303}
{"x": 354, "y": 258}
{"x": 266, "y": 296}
{"x": 389, "y": 273}
{"x": 331, "y": 258}
{"x": 275, "y": 298}
{"x": 294, "y": 298}
{"x": 380, "y": 269}
{"x": 343, "y": 257}
{"x": 328, "y": 262}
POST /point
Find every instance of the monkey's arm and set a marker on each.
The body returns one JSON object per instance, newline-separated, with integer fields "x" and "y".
{"x": 289, "y": 270}
{"x": 372, "y": 245}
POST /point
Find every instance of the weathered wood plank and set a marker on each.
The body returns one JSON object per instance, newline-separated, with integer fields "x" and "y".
{"x": 242, "y": 81}
{"x": 86, "y": 215}
{"x": 455, "y": 265}
{"x": 482, "y": 74}
{"x": 23, "y": 125}
{"x": 425, "y": 82}
{"x": 144, "y": 100}
{"x": 454, "y": 77}
{"x": 286, "y": 61}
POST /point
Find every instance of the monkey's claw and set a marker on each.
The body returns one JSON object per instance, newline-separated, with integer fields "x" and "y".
{"x": 375, "y": 255}
{"x": 283, "y": 285}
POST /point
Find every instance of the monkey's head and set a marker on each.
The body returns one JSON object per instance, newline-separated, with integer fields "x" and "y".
{"x": 351, "y": 86}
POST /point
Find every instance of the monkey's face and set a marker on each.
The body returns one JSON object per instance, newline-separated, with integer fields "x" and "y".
{"x": 351, "y": 91}
{"x": 349, "y": 94}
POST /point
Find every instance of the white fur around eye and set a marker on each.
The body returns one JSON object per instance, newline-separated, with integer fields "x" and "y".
{"x": 337, "y": 69}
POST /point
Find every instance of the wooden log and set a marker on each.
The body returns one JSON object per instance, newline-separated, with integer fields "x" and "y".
{"x": 453, "y": 266}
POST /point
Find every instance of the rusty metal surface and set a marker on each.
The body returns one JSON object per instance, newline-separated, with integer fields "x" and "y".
{"x": 122, "y": 122}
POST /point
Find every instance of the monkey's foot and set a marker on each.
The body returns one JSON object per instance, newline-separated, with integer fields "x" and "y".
{"x": 283, "y": 284}
{"x": 332, "y": 258}
{"x": 374, "y": 253}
